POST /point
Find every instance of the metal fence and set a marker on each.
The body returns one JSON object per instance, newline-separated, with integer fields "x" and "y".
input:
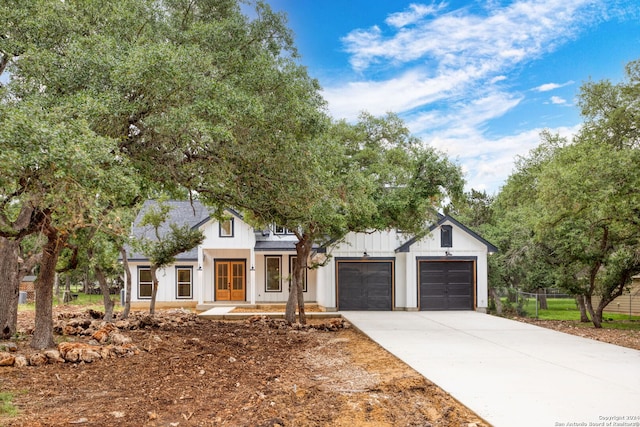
{"x": 549, "y": 294}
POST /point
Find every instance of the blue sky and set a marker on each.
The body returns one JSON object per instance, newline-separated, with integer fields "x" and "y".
{"x": 478, "y": 80}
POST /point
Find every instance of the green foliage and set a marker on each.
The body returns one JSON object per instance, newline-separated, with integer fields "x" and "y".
{"x": 391, "y": 179}
{"x": 6, "y": 407}
{"x": 570, "y": 214}
{"x": 79, "y": 299}
{"x": 514, "y": 305}
{"x": 195, "y": 95}
{"x": 611, "y": 110}
{"x": 179, "y": 239}
{"x": 170, "y": 242}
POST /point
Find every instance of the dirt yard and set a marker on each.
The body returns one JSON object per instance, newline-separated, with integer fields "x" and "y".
{"x": 193, "y": 372}
{"x": 624, "y": 338}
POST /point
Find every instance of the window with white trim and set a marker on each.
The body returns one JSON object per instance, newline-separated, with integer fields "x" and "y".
{"x": 184, "y": 282}
{"x": 279, "y": 230}
{"x": 145, "y": 283}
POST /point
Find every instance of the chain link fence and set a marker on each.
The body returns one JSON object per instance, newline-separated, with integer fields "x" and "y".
{"x": 529, "y": 300}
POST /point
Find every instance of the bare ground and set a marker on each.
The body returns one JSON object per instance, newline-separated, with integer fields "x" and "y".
{"x": 621, "y": 337}
{"x": 193, "y": 372}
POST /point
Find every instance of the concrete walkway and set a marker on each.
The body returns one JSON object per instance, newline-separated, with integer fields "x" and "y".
{"x": 511, "y": 373}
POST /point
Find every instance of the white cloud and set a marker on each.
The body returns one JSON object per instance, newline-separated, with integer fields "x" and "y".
{"x": 557, "y": 100}
{"x": 463, "y": 118}
{"x": 451, "y": 72}
{"x": 451, "y": 53}
{"x": 526, "y": 28}
{"x": 415, "y": 13}
{"x": 487, "y": 163}
{"x": 409, "y": 90}
{"x": 552, "y": 86}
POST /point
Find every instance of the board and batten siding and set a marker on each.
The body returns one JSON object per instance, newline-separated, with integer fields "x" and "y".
{"x": 243, "y": 236}
{"x": 283, "y": 295}
{"x": 167, "y": 287}
{"x": 463, "y": 246}
{"x": 627, "y": 303}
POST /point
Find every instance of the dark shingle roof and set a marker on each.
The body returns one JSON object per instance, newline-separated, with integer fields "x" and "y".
{"x": 181, "y": 213}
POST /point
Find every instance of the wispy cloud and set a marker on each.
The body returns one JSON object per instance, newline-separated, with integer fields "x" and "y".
{"x": 451, "y": 73}
{"x": 460, "y": 38}
{"x": 449, "y": 54}
{"x": 487, "y": 163}
{"x": 552, "y": 86}
{"x": 414, "y": 14}
{"x": 462, "y": 118}
{"x": 405, "y": 92}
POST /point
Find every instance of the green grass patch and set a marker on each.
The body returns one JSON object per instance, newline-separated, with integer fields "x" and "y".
{"x": 90, "y": 301}
{"x": 559, "y": 309}
{"x": 567, "y": 309}
{"x": 6, "y": 406}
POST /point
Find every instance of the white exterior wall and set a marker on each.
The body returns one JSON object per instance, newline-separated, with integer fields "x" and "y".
{"x": 403, "y": 296}
{"x": 463, "y": 245}
{"x": 208, "y": 270}
{"x": 326, "y": 286}
{"x": 262, "y": 295}
{"x": 167, "y": 285}
{"x": 380, "y": 244}
{"x": 243, "y": 236}
{"x": 241, "y": 246}
{"x": 321, "y": 282}
{"x": 377, "y": 244}
{"x": 237, "y": 247}
{"x": 383, "y": 245}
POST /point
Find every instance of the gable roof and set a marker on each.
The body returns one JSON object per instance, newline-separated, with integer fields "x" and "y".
{"x": 406, "y": 247}
{"x": 181, "y": 213}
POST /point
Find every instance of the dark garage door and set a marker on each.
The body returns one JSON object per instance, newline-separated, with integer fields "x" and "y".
{"x": 446, "y": 285}
{"x": 365, "y": 285}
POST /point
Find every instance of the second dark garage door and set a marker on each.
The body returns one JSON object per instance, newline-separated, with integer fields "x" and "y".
{"x": 446, "y": 285}
{"x": 365, "y": 285}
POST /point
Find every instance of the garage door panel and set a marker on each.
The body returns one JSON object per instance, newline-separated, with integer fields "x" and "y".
{"x": 365, "y": 285}
{"x": 446, "y": 285}
{"x": 458, "y": 303}
{"x": 459, "y": 289}
{"x": 432, "y": 303}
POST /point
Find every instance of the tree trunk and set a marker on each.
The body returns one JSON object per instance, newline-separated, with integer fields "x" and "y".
{"x": 127, "y": 278}
{"x": 108, "y": 302}
{"x": 583, "y": 309}
{"x": 67, "y": 290}
{"x": 496, "y": 300}
{"x": 154, "y": 291}
{"x": 296, "y": 293}
{"x": 43, "y": 332}
{"x": 9, "y": 287}
{"x": 12, "y": 270}
{"x": 85, "y": 285}
{"x": 542, "y": 299}
{"x": 56, "y": 287}
{"x": 292, "y": 302}
{"x": 595, "y": 318}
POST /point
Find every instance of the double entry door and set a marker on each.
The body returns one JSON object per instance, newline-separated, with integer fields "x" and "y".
{"x": 230, "y": 280}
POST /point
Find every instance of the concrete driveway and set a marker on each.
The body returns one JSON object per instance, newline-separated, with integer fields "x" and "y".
{"x": 511, "y": 373}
